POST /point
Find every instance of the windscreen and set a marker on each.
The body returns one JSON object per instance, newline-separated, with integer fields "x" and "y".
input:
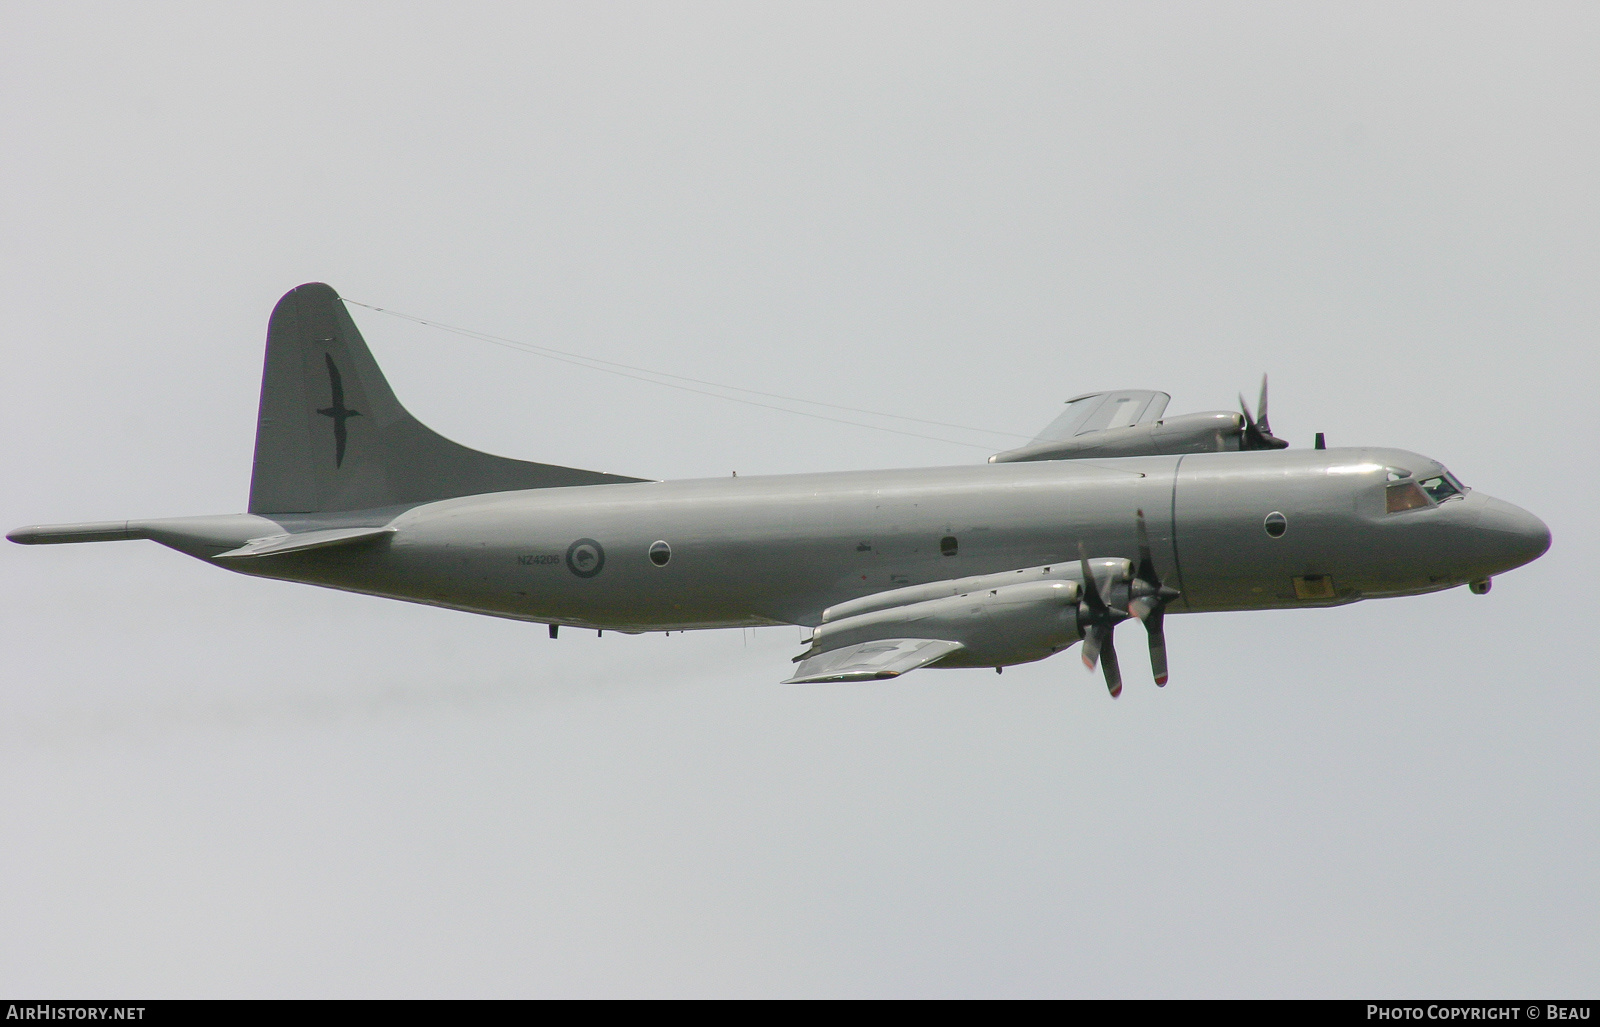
{"x": 1441, "y": 487}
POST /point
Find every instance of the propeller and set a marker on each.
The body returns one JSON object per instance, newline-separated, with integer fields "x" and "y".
{"x": 1148, "y": 597}
{"x": 1097, "y": 621}
{"x": 1257, "y": 433}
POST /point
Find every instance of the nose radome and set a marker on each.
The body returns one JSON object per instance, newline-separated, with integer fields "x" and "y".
{"x": 1519, "y": 536}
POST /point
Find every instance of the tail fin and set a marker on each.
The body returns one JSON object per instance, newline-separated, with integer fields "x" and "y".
{"x": 332, "y": 436}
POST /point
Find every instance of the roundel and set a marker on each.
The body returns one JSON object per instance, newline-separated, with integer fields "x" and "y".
{"x": 585, "y": 558}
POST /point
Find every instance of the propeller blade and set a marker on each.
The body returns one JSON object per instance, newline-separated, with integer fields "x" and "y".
{"x": 1108, "y": 664}
{"x": 1091, "y": 588}
{"x": 1091, "y": 646}
{"x": 1098, "y": 622}
{"x": 1158, "y": 644}
{"x": 1149, "y": 600}
{"x": 1257, "y": 433}
{"x": 1147, "y": 564}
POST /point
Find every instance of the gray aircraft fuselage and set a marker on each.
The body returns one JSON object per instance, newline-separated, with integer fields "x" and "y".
{"x": 781, "y": 549}
{"x": 982, "y": 565}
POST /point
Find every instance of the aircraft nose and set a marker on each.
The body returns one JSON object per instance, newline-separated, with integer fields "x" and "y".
{"x": 1514, "y": 535}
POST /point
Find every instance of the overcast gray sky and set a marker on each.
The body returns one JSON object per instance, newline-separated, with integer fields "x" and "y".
{"x": 212, "y": 785}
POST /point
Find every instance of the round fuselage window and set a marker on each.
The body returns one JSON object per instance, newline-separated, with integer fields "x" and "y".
{"x": 660, "y": 553}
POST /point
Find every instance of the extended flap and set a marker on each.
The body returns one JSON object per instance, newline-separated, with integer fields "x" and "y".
{"x": 871, "y": 661}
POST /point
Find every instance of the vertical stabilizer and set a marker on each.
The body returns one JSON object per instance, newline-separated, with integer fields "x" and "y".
{"x": 332, "y": 436}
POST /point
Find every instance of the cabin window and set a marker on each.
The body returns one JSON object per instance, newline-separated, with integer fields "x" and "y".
{"x": 1441, "y": 488}
{"x": 1404, "y": 495}
{"x": 1276, "y": 524}
{"x": 660, "y": 553}
{"x": 948, "y": 545}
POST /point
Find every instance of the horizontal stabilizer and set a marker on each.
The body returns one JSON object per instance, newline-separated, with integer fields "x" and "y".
{"x": 198, "y": 536}
{"x": 872, "y": 661}
{"x": 277, "y": 545}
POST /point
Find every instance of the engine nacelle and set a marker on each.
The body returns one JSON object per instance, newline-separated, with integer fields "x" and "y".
{"x": 998, "y": 626}
{"x": 1103, "y": 568}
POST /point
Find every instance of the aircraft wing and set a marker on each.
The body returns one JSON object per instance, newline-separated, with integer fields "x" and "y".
{"x": 985, "y": 620}
{"x": 1129, "y": 422}
{"x": 1104, "y": 411}
{"x": 872, "y": 661}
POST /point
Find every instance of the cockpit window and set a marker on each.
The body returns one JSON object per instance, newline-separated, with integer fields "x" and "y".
{"x": 1404, "y": 495}
{"x": 1442, "y": 487}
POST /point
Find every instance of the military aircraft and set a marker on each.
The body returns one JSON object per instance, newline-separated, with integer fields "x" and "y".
{"x": 1113, "y": 513}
